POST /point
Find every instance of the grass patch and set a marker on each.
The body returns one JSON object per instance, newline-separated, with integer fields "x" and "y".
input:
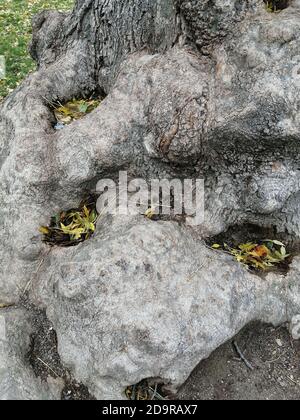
{"x": 15, "y": 30}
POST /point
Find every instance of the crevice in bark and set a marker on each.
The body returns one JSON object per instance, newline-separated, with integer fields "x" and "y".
{"x": 277, "y": 5}
{"x": 75, "y": 109}
{"x": 244, "y": 233}
{"x": 74, "y": 226}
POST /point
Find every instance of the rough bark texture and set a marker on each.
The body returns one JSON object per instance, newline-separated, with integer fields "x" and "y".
{"x": 17, "y": 380}
{"x": 196, "y": 88}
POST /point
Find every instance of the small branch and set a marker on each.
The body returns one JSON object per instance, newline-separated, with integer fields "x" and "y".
{"x": 48, "y": 367}
{"x": 243, "y": 358}
{"x": 6, "y": 305}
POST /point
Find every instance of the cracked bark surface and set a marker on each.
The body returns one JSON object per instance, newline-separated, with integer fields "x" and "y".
{"x": 206, "y": 89}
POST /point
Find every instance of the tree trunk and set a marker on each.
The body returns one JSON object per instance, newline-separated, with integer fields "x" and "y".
{"x": 204, "y": 89}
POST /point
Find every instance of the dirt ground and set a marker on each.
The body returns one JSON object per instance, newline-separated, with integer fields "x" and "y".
{"x": 274, "y": 357}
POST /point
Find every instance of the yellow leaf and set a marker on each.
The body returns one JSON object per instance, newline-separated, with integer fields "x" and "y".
{"x": 92, "y": 227}
{"x": 64, "y": 110}
{"x": 150, "y": 213}
{"x": 62, "y": 118}
{"x": 257, "y": 264}
{"x": 279, "y": 256}
{"x": 216, "y": 246}
{"x": 260, "y": 251}
{"x": 77, "y": 233}
{"x": 86, "y": 211}
{"x": 71, "y": 229}
{"x": 44, "y": 230}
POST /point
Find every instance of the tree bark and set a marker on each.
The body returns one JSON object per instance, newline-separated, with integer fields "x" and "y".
{"x": 185, "y": 84}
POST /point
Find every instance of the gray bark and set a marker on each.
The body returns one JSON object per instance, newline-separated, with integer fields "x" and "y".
{"x": 208, "y": 89}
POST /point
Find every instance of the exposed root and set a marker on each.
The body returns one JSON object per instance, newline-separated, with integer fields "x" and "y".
{"x": 44, "y": 358}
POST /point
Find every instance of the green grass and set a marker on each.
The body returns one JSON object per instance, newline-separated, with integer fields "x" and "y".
{"x": 15, "y": 33}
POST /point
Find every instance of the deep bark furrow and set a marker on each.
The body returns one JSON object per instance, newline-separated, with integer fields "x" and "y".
{"x": 118, "y": 28}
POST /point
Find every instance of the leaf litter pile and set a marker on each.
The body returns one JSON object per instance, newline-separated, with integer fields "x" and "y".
{"x": 144, "y": 391}
{"x": 69, "y": 228}
{"x": 73, "y": 110}
{"x": 264, "y": 255}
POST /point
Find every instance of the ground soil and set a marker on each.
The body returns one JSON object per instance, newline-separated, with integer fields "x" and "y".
{"x": 275, "y": 359}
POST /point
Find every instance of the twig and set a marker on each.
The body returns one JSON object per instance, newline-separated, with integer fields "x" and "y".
{"x": 243, "y": 358}
{"x": 156, "y": 394}
{"x": 278, "y": 358}
{"x": 45, "y": 364}
{"x": 293, "y": 381}
{"x": 153, "y": 391}
{"x": 6, "y": 305}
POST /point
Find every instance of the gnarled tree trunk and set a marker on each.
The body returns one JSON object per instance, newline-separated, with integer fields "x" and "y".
{"x": 194, "y": 88}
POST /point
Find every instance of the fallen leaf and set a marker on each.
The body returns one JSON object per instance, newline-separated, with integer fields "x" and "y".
{"x": 150, "y": 213}
{"x": 44, "y": 230}
{"x": 260, "y": 251}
